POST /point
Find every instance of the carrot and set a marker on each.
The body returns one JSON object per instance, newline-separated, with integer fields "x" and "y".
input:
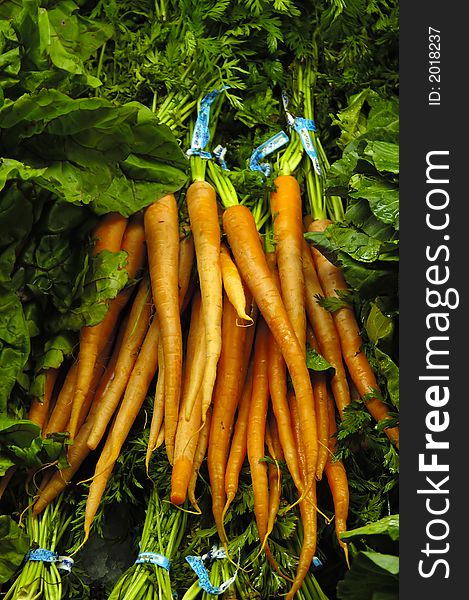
{"x": 97, "y": 487}
{"x": 194, "y": 382}
{"x": 325, "y": 331}
{"x": 186, "y": 259}
{"x": 238, "y": 446}
{"x": 338, "y": 483}
{"x": 243, "y": 238}
{"x": 203, "y": 215}
{"x": 228, "y": 388}
{"x": 362, "y": 375}
{"x": 321, "y": 398}
{"x": 232, "y": 283}
{"x": 135, "y": 392}
{"x": 128, "y": 236}
{"x": 199, "y": 456}
{"x": 61, "y": 412}
{"x": 39, "y": 411}
{"x": 307, "y": 506}
{"x": 162, "y": 235}
{"x": 256, "y": 430}
{"x": 108, "y": 233}
{"x": 274, "y": 473}
{"x": 286, "y": 209}
{"x": 278, "y": 394}
{"x": 188, "y": 430}
{"x": 157, "y": 417}
{"x": 134, "y": 333}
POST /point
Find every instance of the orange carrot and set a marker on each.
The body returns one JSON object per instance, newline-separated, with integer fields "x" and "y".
{"x": 188, "y": 430}
{"x": 162, "y": 234}
{"x": 321, "y": 398}
{"x": 325, "y": 331}
{"x": 203, "y": 214}
{"x": 186, "y": 259}
{"x": 275, "y": 474}
{"x": 307, "y": 506}
{"x": 286, "y": 209}
{"x": 256, "y": 430}
{"x": 332, "y": 281}
{"x": 135, "y": 393}
{"x": 239, "y": 442}
{"x": 39, "y": 411}
{"x": 278, "y": 393}
{"x": 199, "y": 456}
{"x": 128, "y": 236}
{"x": 338, "y": 483}
{"x": 228, "y": 388}
{"x": 134, "y": 334}
{"x": 243, "y": 238}
{"x": 232, "y": 283}
{"x": 157, "y": 418}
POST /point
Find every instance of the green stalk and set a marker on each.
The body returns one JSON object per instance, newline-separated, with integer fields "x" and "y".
{"x": 100, "y": 66}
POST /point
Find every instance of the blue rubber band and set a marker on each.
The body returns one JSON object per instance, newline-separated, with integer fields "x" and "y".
{"x": 153, "y": 558}
{"x": 64, "y": 563}
{"x": 42, "y": 555}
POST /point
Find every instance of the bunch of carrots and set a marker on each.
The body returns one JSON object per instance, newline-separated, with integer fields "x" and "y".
{"x": 232, "y": 385}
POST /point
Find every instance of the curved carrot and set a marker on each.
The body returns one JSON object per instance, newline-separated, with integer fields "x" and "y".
{"x": 256, "y": 439}
{"x": 362, "y": 375}
{"x": 134, "y": 334}
{"x": 276, "y": 369}
{"x": 286, "y": 209}
{"x": 203, "y": 215}
{"x": 325, "y": 331}
{"x": 275, "y": 474}
{"x": 239, "y": 442}
{"x": 162, "y": 234}
{"x": 243, "y": 238}
{"x": 188, "y": 429}
{"x": 338, "y": 483}
{"x": 228, "y": 388}
{"x": 308, "y": 510}
{"x": 199, "y": 456}
{"x": 232, "y": 283}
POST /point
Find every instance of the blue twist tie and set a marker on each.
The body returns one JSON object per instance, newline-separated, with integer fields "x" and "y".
{"x": 197, "y": 565}
{"x": 153, "y": 558}
{"x": 271, "y": 145}
{"x": 220, "y": 152}
{"x": 303, "y": 126}
{"x": 316, "y": 563}
{"x": 201, "y": 133}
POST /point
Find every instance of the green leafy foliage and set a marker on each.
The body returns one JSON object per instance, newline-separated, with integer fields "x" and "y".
{"x": 14, "y": 543}
{"x": 21, "y": 444}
